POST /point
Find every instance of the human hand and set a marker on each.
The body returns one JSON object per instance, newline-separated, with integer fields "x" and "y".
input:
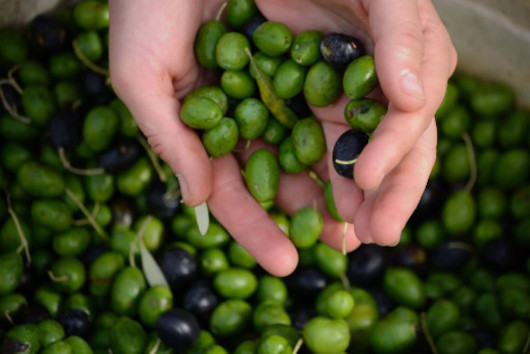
{"x": 152, "y": 67}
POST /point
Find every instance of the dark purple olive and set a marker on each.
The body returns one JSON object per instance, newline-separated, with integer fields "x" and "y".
{"x": 48, "y": 34}
{"x": 31, "y": 314}
{"x": 95, "y": 86}
{"x": 430, "y": 202}
{"x": 366, "y": 265}
{"x": 249, "y": 27}
{"x": 12, "y": 97}
{"x": 76, "y": 323}
{"x": 347, "y": 148}
{"x": 178, "y": 329}
{"x": 501, "y": 255}
{"x": 122, "y": 211}
{"x": 410, "y": 256}
{"x": 307, "y": 283}
{"x": 450, "y": 255}
{"x": 65, "y": 129}
{"x": 161, "y": 203}
{"x": 179, "y": 268}
{"x": 92, "y": 254}
{"x": 120, "y": 156}
{"x": 200, "y": 300}
{"x": 301, "y": 315}
{"x": 299, "y": 106}
{"x": 484, "y": 337}
{"x": 28, "y": 283}
{"x": 340, "y": 49}
{"x": 384, "y": 303}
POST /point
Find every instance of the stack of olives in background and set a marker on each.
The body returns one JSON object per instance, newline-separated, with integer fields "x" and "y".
{"x": 98, "y": 255}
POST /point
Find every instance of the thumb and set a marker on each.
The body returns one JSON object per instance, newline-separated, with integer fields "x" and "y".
{"x": 399, "y": 50}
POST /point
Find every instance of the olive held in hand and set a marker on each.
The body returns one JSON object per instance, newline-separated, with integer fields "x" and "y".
{"x": 272, "y": 38}
{"x": 347, "y": 148}
{"x": 230, "y": 51}
{"x": 206, "y": 42}
{"x": 308, "y": 141}
{"x": 222, "y": 139}
{"x": 322, "y": 85}
{"x": 306, "y": 47}
{"x": 364, "y": 114}
{"x": 262, "y": 175}
{"x": 360, "y": 77}
{"x": 200, "y": 113}
{"x": 340, "y": 49}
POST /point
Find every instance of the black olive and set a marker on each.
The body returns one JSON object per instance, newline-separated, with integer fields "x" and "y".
{"x": 200, "y": 300}
{"x": 95, "y": 86}
{"x": 120, "y": 156}
{"x": 301, "y": 315}
{"x": 122, "y": 211}
{"x": 366, "y": 265}
{"x": 299, "y": 106}
{"x": 92, "y": 254}
{"x": 410, "y": 256}
{"x": 65, "y": 129}
{"x": 178, "y": 329}
{"x": 249, "y": 27}
{"x": 306, "y": 282}
{"x": 48, "y": 34}
{"x": 340, "y": 49}
{"x": 346, "y": 150}
{"x": 76, "y": 323}
{"x": 13, "y": 98}
{"x": 430, "y": 202}
{"x": 484, "y": 337}
{"x": 451, "y": 255}
{"x": 161, "y": 203}
{"x": 28, "y": 283}
{"x": 501, "y": 255}
{"x": 384, "y": 303}
{"x": 31, "y": 314}
{"x": 179, "y": 268}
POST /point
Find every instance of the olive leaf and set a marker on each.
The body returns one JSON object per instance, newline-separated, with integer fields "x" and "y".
{"x": 202, "y": 217}
{"x": 152, "y": 271}
{"x": 275, "y": 104}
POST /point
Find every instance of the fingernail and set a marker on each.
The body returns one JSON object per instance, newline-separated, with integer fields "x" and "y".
{"x": 411, "y": 85}
{"x": 183, "y": 187}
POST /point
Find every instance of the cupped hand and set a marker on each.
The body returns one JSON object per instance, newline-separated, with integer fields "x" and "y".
{"x": 153, "y": 68}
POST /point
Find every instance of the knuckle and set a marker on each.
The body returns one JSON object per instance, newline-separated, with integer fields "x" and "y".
{"x": 409, "y": 43}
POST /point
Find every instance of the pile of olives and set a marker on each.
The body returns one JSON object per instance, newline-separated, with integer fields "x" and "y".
{"x": 98, "y": 255}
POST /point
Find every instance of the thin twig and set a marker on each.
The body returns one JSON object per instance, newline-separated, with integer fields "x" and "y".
{"x": 83, "y": 222}
{"x": 77, "y": 171}
{"x": 11, "y": 110}
{"x": 88, "y": 63}
{"x": 23, "y": 240}
{"x": 298, "y": 345}
{"x": 87, "y": 214}
{"x": 317, "y": 179}
{"x": 137, "y": 240}
{"x": 345, "y": 282}
{"x": 427, "y": 334}
{"x": 57, "y": 279}
{"x": 155, "y": 348}
{"x": 344, "y": 229}
{"x": 220, "y": 12}
{"x": 154, "y": 160}
{"x": 472, "y": 162}
{"x": 7, "y": 314}
{"x": 11, "y": 78}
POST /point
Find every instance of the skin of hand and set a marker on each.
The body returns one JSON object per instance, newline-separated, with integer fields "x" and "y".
{"x": 153, "y": 67}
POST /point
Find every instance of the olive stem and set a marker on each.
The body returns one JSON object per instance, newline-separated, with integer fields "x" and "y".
{"x": 88, "y": 63}
{"x": 154, "y": 160}
{"x": 77, "y": 171}
{"x": 12, "y": 79}
{"x": 247, "y": 145}
{"x": 344, "y": 229}
{"x": 8, "y": 316}
{"x": 220, "y": 11}
{"x": 527, "y": 344}
{"x": 345, "y": 162}
{"x": 87, "y": 214}
{"x": 472, "y": 163}
{"x": 298, "y": 345}
{"x": 57, "y": 279}
{"x": 317, "y": 179}
{"x": 83, "y": 222}
{"x": 155, "y": 348}
{"x": 345, "y": 282}
{"x": 427, "y": 334}
{"x": 139, "y": 238}
{"x": 11, "y": 110}
{"x": 23, "y": 240}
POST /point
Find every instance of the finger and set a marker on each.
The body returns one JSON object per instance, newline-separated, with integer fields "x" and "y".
{"x": 399, "y": 49}
{"x": 299, "y": 190}
{"x": 399, "y": 131}
{"x": 346, "y": 194}
{"x": 247, "y": 221}
{"x": 388, "y": 209}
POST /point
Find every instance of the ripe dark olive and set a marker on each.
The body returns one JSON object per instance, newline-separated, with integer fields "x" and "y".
{"x": 299, "y": 106}
{"x": 121, "y": 156}
{"x": 177, "y": 329}
{"x": 161, "y": 203}
{"x": 48, "y": 34}
{"x": 179, "y": 268}
{"x": 65, "y": 129}
{"x": 366, "y": 265}
{"x": 76, "y": 323}
{"x": 301, "y": 315}
{"x": 340, "y": 49}
{"x": 307, "y": 282}
{"x": 92, "y": 254}
{"x": 249, "y": 27}
{"x": 95, "y": 86}
{"x": 31, "y": 314}
{"x": 28, "y": 282}
{"x": 122, "y": 212}
{"x": 346, "y": 150}
{"x": 450, "y": 255}
{"x": 484, "y": 337}
{"x": 430, "y": 202}
{"x": 501, "y": 255}
{"x": 200, "y": 300}
{"x": 384, "y": 303}
{"x": 12, "y": 97}
{"x": 411, "y": 256}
